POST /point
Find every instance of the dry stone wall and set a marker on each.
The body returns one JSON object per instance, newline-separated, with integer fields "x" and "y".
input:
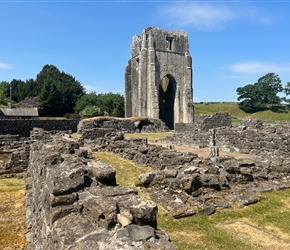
{"x": 23, "y": 127}
{"x": 102, "y": 126}
{"x": 73, "y": 202}
{"x": 9, "y": 143}
{"x": 270, "y": 142}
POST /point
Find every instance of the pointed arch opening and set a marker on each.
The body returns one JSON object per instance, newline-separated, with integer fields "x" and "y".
{"x": 167, "y": 92}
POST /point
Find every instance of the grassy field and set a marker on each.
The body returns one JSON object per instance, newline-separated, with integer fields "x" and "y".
{"x": 234, "y": 110}
{"x": 268, "y": 217}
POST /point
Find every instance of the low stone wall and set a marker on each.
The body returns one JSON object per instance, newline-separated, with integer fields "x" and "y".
{"x": 73, "y": 202}
{"x": 127, "y": 125}
{"x": 9, "y": 143}
{"x": 23, "y": 127}
{"x": 269, "y": 142}
{"x": 216, "y": 121}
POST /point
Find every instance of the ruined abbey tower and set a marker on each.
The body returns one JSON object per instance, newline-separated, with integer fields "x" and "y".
{"x": 158, "y": 78}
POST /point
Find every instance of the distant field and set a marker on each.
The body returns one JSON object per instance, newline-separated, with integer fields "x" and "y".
{"x": 234, "y": 110}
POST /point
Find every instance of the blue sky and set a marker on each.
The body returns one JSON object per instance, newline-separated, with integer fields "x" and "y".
{"x": 232, "y": 43}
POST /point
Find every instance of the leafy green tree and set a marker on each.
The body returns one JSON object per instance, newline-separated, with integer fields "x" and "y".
{"x": 286, "y": 90}
{"x": 4, "y": 92}
{"x": 90, "y": 111}
{"x": 260, "y": 95}
{"x": 89, "y": 99}
{"x": 109, "y": 103}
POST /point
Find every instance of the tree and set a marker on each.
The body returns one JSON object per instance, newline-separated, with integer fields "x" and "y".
{"x": 260, "y": 95}
{"x": 91, "y": 111}
{"x": 109, "y": 103}
{"x": 286, "y": 90}
{"x": 61, "y": 90}
{"x": 4, "y": 92}
{"x": 49, "y": 99}
{"x": 89, "y": 99}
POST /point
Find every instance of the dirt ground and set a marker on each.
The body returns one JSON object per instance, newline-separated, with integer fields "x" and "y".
{"x": 256, "y": 236}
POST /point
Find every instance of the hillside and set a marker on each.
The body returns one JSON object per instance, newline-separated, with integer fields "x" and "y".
{"x": 281, "y": 113}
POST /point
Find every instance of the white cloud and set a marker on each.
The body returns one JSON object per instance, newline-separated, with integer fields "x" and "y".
{"x": 208, "y": 15}
{"x": 90, "y": 88}
{"x": 5, "y": 66}
{"x": 260, "y": 67}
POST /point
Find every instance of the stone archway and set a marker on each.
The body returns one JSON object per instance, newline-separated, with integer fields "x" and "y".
{"x": 167, "y": 91}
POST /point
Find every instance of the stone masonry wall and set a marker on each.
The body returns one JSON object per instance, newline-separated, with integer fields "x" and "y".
{"x": 73, "y": 202}
{"x": 9, "y": 143}
{"x": 217, "y": 120}
{"x": 23, "y": 127}
{"x": 271, "y": 142}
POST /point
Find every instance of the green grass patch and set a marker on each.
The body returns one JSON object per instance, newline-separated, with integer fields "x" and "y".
{"x": 234, "y": 110}
{"x": 272, "y": 215}
{"x": 11, "y": 185}
{"x": 127, "y": 172}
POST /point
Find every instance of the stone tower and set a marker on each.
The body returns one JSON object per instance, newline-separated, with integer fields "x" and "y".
{"x": 158, "y": 78}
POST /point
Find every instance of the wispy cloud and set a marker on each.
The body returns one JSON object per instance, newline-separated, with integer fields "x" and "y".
{"x": 209, "y": 15}
{"x": 259, "y": 67}
{"x": 90, "y": 88}
{"x": 5, "y": 66}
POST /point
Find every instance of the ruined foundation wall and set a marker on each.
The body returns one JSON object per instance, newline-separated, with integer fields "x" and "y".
{"x": 272, "y": 142}
{"x": 73, "y": 202}
{"x": 23, "y": 127}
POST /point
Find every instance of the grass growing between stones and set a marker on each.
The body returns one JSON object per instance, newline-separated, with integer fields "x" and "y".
{"x": 271, "y": 215}
{"x": 12, "y": 214}
{"x": 126, "y": 171}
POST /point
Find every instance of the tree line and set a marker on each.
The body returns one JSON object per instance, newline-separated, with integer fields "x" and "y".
{"x": 57, "y": 93}
{"x": 264, "y": 94}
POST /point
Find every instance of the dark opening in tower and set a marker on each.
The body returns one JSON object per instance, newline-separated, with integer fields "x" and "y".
{"x": 169, "y": 43}
{"x": 167, "y": 89}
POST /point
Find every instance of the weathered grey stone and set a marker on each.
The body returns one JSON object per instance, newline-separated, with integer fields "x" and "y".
{"x": 64, "y": 179}
{"x": 160, "y": 67}
{"x": 100, "y": 210}
{"x": 103, "y": 172}
{"x": 246, "y": 200}
{"x": 146, "y": 178}
{"x": 123, "y": 220}
{"x": 137, "y": 233}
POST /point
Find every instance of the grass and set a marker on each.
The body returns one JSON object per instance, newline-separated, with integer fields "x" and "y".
{"x": 126, "y": 171}
{"x": 235, "y": 111}
{"x": 205, "y": 232}
{"x": 271, "y": 215}
{"x": 12, "y": 211}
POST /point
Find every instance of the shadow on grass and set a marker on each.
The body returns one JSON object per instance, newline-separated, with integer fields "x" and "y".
{"x": 279, "y": 109}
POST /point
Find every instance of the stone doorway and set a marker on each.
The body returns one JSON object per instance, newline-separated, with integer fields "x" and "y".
{"x": 167, "y": 89}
